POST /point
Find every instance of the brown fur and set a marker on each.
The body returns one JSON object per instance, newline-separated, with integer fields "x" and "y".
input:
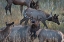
{"x": 17, "y": 2}
{"x": 4, "y": 33}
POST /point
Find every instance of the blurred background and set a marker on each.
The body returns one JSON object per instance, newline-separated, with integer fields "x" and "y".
{"x": 54, "y": 6}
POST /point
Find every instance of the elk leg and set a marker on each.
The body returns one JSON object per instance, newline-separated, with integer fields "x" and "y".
{"x": 45, "y": 25}
{"x": 21, "y": 8}
{"x": 41, "y": 40}
{"x": 26, "y": 21}
{"x": 6, "y": 8}
{"x": 10, "y": 9}
{"x": 22, "y": 20}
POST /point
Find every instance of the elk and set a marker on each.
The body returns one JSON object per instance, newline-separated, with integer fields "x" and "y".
{"x": 21, "y": 33}
{"x": 5, "y": 32}
{"x": 35, "y": 26}
{"x": 18, "y": 2}
{"x": 42, "y": 16}
{"x": 50, "y": 35}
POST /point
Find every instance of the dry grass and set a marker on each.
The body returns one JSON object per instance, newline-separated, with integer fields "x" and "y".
{"x": 16, "y": 17}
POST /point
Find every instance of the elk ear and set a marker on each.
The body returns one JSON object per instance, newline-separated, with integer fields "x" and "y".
{"x": 54, "y": 14}
{"x": 57, "y": 16}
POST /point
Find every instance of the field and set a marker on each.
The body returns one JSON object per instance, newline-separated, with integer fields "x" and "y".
{"x": 44, "y": 6}
{"x": 16, "y": 15}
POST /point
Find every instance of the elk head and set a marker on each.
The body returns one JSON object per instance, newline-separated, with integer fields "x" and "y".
{"x": 55, "y": 19}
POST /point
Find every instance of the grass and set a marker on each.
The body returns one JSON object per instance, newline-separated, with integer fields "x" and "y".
{"x": 16, "y": 16}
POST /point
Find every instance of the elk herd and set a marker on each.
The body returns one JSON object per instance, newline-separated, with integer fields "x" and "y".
{"x": 28, "y": 33}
